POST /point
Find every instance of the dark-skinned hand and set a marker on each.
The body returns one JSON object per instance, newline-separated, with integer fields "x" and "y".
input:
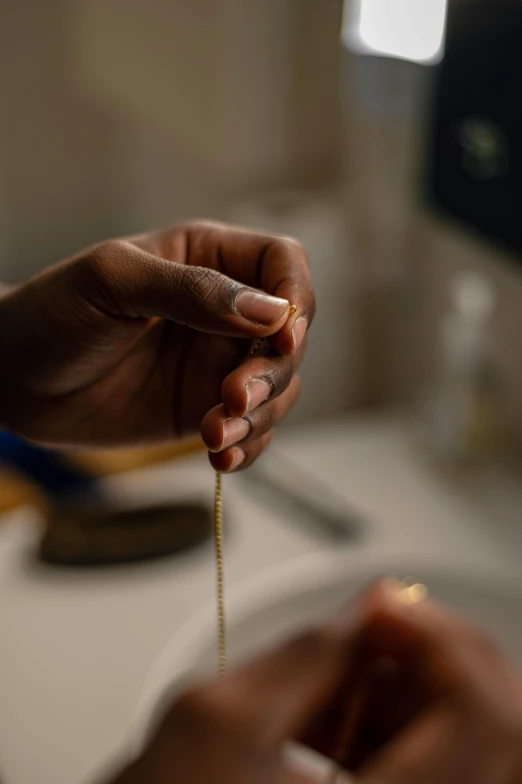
{"x": 399, "y": 694}
{"x": 146, "y": 339}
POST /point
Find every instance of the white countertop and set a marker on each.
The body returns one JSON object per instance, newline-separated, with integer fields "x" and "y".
{"x": 77, "y": 645}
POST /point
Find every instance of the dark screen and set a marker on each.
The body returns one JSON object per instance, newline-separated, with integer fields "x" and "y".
{"x": 475, "y": 140}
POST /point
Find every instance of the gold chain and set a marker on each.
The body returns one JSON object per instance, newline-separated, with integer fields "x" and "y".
{"x": 409, "y": 592}
{"x": 218, "y": 537}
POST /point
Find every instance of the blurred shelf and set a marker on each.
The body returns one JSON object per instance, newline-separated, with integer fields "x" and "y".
{"x": 15, "y": 491}
{"x": 109, "y": 462}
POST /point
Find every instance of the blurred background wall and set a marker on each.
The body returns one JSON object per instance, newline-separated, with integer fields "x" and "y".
{"x": 123, "y": 115}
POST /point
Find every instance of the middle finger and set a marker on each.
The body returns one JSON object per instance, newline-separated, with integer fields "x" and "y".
{"x": 257, "y": 380}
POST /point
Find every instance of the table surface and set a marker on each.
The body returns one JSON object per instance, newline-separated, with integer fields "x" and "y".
{"x": 77, "y": 646}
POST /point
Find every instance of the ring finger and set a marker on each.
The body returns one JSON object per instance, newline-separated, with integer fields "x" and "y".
{"x": 257, "y": 380}
{"x": 220, "y": 431}
{"x": 238, "y": 458}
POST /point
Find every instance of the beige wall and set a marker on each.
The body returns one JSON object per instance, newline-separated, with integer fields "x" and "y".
{"x": 122, "y": 115}
{"x": 126, "y": 114}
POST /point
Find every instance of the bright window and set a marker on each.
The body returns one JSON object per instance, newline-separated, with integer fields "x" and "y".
{"x": 405, "y": 29}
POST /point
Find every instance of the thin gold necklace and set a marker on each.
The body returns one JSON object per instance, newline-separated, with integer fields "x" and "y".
{"x": 408, "y": 592}
{"x": 218, "y": 541}
{"x": 220, "y": 592}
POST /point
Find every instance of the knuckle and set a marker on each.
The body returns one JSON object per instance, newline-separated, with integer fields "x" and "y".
{"x": 205, "y": 224}
{"x": 206, "y": 286}
{"x": 281, "y": 377}
{"x": 263, "y": 422}
{"x": 98, "y": 275}
{"x": 286, "y": 372}
{"x": 106, "y": 257}
{"x": 269, "y": 416}
{"x": 290, "y": 243}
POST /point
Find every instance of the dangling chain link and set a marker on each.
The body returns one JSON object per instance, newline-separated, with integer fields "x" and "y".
{"x": 218, "y": 538}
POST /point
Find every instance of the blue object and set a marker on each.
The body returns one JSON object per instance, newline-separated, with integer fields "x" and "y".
{"x": 54, "y": 475}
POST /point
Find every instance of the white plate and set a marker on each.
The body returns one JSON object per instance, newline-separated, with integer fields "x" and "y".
{"x": 279, "y": 602}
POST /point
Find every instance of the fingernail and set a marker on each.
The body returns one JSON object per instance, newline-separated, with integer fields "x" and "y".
{"x": 234, "y": 430}
{"x": 257, "y": 391}
{"x": 299, "y": 331}
{"x": 261, "y": 308}
{"x": 238, "y": 456}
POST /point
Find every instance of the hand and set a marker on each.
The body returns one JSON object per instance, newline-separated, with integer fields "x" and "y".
{"x": 438, "y": 703}
{"x": 446, "y": 709}
{"x": 147, "y": 339}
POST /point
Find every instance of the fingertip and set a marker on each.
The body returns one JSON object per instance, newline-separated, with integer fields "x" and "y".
{"x": 227, "y": 461}
{"x": 384, "y": 598}
{"x": 373, "y": 611}
{"x": 292, "y": 334}
{"x": 262, "y": 309}
{"x": 212, "y": 428}
{"x": 393, "y": 593}
{"x": 396, "y": 613}
{"x": 282, "y": 342}
{"x": 234, "y": 396}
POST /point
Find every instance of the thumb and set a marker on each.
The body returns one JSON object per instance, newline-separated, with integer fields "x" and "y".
{"x": 123, "y": 280}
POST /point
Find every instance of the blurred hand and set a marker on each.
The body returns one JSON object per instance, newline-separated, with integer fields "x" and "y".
{"x": 446, "y": 709}
{"x": 146, "y": 339}
{"x": 435, "y": 702}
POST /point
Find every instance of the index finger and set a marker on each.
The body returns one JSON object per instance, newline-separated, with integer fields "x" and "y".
{"x": 285, "y": 273}
{"x": 272, "y": 263}
{"x": 446, "y": 651}
{"x": 275, "y": 264}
